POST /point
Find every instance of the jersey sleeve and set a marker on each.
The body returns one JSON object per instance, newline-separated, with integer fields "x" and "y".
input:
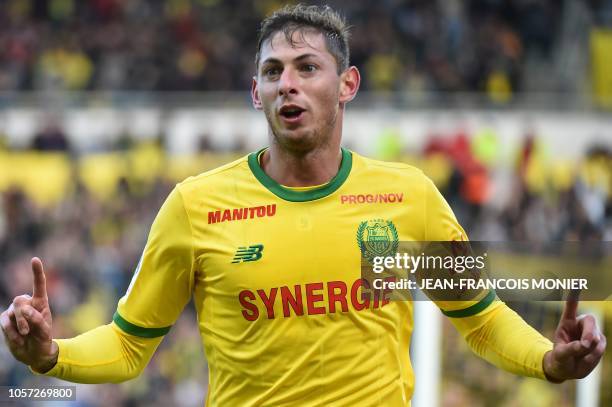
{"x": 501, "y": 337}
{"x": 492, "y": 330}
{"x": 105, "y": 354}
{"x": 441, "y": 225}
{"x": 163, "y": 280}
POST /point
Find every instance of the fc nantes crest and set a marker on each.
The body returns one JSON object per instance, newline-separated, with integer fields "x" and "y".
{"x": 377, "y": 237}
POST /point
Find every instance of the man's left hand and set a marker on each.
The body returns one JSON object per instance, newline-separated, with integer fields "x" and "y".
{"x": 579, "y": 346}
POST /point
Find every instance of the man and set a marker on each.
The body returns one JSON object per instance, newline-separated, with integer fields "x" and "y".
{"x": 266, "y": 246}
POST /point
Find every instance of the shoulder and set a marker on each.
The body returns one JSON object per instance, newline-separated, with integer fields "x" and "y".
{"x": 215, "y": 177}
{"x": 369, "y": 166}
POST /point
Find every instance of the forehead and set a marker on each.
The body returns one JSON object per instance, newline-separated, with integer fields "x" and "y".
{"x": 303, "y": 41}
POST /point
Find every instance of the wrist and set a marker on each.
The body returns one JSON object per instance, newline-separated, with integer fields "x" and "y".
{"x": 548, "y": 368}
{"x": 49, "y": 362}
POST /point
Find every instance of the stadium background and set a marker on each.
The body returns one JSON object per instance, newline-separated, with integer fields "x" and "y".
{"x": 104, "y": 105}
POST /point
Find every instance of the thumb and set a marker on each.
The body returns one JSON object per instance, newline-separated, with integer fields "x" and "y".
{"x": 38, "y": 326}
{"x": 40, "y": 282}
{"x": 570, "y": 350}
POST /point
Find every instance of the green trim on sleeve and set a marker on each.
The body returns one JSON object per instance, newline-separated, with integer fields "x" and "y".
{"x": 136, "y": 330}
{"x": 474, "y": 309}
{"x": 302, "y": 196}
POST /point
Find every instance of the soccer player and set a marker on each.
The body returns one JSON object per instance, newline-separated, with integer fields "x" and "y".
{"x": 266, "y": 246}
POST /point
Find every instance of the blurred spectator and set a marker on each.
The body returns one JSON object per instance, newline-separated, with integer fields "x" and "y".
{"x": 51, "y": 138}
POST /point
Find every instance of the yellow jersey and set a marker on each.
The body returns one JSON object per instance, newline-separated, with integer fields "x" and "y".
{"x": 275, "y": 274}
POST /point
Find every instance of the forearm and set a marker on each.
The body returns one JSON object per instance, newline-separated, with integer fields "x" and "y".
{"x": 503, "y": 338}
{"x": 104, "y": 354}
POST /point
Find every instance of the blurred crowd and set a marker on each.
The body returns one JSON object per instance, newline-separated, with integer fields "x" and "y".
{"x": 90, "y": 241}
{"x": 177, "y": 45}
{"x": 90, "y": 247}
{"x": 87, "y": 217}
{"x": 544, "y": 199}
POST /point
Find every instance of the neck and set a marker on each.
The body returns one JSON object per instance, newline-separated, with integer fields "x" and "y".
{"x": 292, "y": 169}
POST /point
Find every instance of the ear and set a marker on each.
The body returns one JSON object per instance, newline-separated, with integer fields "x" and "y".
{"x": 349, "y": 84}
{"x": 255, "y": 95}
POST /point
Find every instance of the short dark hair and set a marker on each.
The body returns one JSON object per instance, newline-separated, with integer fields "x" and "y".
{"x": 299, "y": 18}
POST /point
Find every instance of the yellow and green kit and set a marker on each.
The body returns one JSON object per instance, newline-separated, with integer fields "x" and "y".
{"x": 275, "y": 275}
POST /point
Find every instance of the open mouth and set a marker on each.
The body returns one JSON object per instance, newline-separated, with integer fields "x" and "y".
{"x": 291, "y": 112}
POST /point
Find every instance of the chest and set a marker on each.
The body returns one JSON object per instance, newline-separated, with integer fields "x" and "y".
{"x": 277, "y": 243}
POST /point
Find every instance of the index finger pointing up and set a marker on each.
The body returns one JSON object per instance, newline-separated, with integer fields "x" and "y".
{"x": 40, "y": 283}
{"x": 571, "y": 305}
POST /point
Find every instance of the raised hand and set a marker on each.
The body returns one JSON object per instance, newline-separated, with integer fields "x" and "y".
{"x": 579, "y": 345}
{"x": 26, "y": 325}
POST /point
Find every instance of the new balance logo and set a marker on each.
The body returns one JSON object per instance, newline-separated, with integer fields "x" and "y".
{"x": 250, "y": 253}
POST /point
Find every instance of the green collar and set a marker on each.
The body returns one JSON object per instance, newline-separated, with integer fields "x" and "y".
{"x": 302, "y": 196}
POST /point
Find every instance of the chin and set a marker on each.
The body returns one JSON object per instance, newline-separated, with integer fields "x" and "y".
{"x": 296, "y": 140}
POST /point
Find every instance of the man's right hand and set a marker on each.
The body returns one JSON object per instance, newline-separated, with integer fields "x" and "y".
{"x": 26, "y": 325}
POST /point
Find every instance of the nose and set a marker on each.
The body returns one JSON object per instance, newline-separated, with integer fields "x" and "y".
{"x": 288, "y": 83}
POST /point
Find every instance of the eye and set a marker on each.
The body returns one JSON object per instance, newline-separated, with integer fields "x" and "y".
{"x": 271, "y": 72}
{"x": 308, "y": 68}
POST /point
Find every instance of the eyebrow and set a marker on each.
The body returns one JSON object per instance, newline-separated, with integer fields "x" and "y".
{"x": 273, "y": 60}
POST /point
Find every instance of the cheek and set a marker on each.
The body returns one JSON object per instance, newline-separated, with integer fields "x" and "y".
{"x": 267, "y": 100}
{"x": 267, "y": 94}
{"x": 329, "y": 99}
{"x": 268, "y": 112}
